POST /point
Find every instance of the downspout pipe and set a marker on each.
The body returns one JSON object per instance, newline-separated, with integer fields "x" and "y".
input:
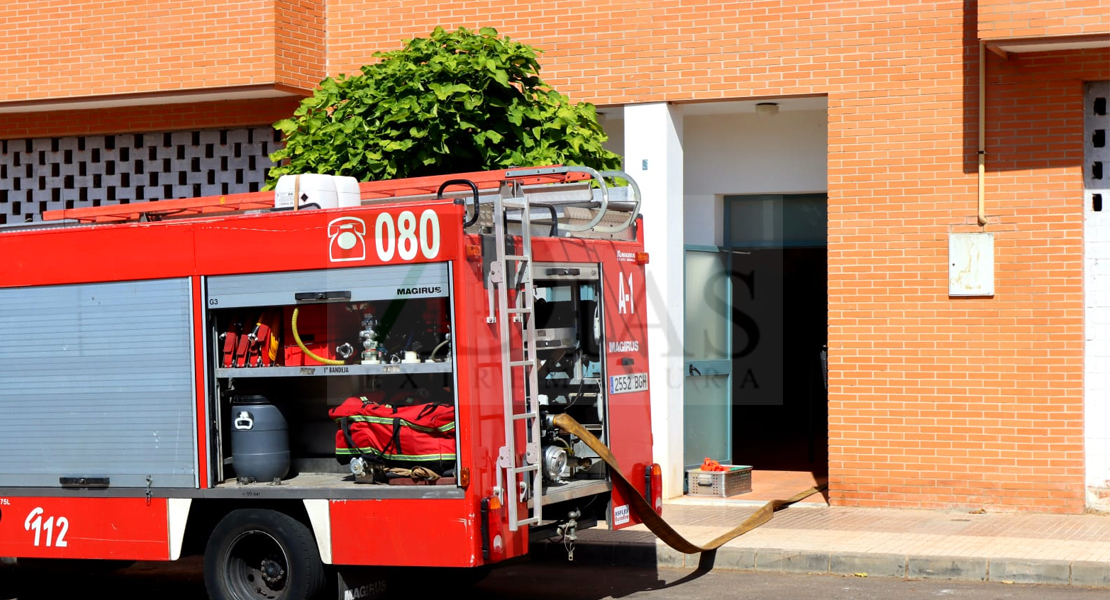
{"x": 982, "y": 132}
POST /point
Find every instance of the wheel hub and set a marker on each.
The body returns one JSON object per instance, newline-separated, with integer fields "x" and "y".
{"x": 257, "y": 566}
{"x": 272, "y": 571}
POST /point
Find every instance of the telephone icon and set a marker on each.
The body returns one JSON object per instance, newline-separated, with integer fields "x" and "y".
{"x": 347, "y": 235}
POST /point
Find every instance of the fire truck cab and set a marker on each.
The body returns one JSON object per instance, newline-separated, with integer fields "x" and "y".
{"x": 172, "y": 372}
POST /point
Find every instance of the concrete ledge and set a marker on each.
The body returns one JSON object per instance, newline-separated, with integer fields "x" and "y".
{"x": 1090, "y": 574}
{"x": 956, "y": 568}
{"x": 791, "y": 561}
{"x": 877, "y": 565}
{"x": 669, "y": 557}
{"x": 1055, "y": 572}
{"x": 735, "y": 559}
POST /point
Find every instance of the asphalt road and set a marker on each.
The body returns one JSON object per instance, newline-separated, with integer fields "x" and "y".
{"x": 541, "y": 582}
{"x": 554, "y": 580}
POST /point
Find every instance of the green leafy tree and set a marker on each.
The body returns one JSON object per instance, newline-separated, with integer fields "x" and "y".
{"x": 452, "y": 102}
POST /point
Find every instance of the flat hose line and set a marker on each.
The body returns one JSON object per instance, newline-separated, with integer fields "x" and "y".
{"x": 652, "y": 520}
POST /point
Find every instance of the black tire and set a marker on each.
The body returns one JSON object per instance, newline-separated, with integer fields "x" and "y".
{"x": 257, "y": 554}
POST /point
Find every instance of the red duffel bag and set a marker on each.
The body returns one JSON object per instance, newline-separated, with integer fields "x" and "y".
{"x": 407, "y": 436}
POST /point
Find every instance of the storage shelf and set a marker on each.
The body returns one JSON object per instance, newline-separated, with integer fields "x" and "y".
{"x": 572, "y": 490}
{"x": 329, "y": 370}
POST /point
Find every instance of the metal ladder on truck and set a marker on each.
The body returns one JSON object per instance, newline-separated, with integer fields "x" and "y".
{"x": 519, "y": 474}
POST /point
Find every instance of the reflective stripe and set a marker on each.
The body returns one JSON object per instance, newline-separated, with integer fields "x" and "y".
{"x": 389, "y": 421}
{"x": 376, "y": 452}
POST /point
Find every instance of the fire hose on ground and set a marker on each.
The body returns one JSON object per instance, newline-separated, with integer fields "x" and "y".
{"x": 651, "y": 519}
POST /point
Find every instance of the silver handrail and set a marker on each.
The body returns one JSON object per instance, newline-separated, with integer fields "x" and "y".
{"x": 635, "y": 210}
{"x": 575, "y": 169}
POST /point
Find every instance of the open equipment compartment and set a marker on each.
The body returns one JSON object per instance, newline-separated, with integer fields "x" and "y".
{"x": 299, "y": 343}
{"x": 568, "y": 345}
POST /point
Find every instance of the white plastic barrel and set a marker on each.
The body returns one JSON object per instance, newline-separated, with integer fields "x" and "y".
{"x": 323, "y": 191}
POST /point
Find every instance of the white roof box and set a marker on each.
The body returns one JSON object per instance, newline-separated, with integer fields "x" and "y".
{"x": 313, "y": 190}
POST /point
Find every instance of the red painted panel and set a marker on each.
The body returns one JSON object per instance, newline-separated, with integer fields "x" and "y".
{"x": 481, "y": 420}
{"x": 626, "y": 342}
{"x": 104, "y": 253}
{"x": 106, "y": 528}
{"x": 249, "y": 243}
{"x": 336, "y": 238}
{"x": 436, "y": 533}
{"x": 202, "y": 387}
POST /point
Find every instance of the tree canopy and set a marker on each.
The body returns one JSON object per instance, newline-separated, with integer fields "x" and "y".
{"x": 452, "y": 102}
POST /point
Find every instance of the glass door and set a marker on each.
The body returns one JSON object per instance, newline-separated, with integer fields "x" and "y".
{"x": 780, "y": 329}
{"x": 707, "y": 389}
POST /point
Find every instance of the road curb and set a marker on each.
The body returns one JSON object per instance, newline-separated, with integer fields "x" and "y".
{"x": 877, "y": 565}
{"x": 1055, "y": 572}
{"x": 953, "y": 568}
{"x": 784, "y": 560}
{"x": 1090, "y": 574}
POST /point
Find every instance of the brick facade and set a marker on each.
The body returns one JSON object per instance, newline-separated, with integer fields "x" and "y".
{"x": 933, "y": 401}
{"x": 67, "y": 48}
{"x": 60, "y": 49}
{"x": 1000, "y": 19}
{"x": 301, "y": 57}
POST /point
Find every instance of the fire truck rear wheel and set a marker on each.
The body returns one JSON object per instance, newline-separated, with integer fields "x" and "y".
{"x": 257, "y": 554}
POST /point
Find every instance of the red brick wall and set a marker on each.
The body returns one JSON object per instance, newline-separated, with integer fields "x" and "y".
{"x": 648, "y": 50}
{"x": 301, "y": 62}
{"x": 68, "y": 48}
{"x": 970, "y": 402}
{"x": 965, "y": 402}
{"x": 934, "y": 402}
{"x": 1000, "y": 19}
{"x": 651, "y": 50}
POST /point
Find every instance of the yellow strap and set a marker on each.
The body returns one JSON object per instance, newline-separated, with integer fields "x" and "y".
{"x": 296, "y": 192}
{"x": 652, "y": 519}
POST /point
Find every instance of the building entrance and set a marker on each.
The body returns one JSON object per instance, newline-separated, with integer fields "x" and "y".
{"x": 756, "y": 337}
{"x": 779, "y": 272}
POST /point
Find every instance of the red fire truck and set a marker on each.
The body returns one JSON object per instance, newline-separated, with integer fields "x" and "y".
{"x": 173, "y": 372}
